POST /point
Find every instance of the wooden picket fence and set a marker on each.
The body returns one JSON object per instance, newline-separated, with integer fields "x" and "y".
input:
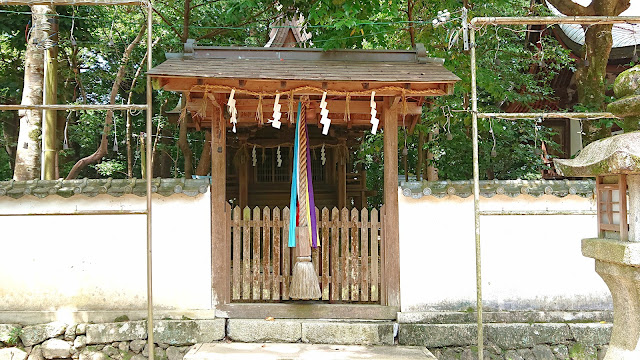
{"x": 347, "y": 258}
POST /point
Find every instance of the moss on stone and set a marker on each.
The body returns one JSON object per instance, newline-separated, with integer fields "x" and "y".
{"x": 626, "y": 106}
{"x": 121, "y": 318}
{"x": 627, "y": 83}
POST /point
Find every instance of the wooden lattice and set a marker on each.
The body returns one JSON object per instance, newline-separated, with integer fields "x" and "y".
{"x": 612, "y": 205}
{"x": 347, "y": 259}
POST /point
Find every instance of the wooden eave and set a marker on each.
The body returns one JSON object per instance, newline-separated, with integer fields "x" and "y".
{"x": 203, "y": 72}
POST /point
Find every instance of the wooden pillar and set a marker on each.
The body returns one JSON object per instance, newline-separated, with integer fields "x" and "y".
{"x": 243, "y": 179}
{"x": 220, "y": 255}
{"x": 391, "y": 229}
{"x": 363, "y": 193}
{"x": 342, "y": 176}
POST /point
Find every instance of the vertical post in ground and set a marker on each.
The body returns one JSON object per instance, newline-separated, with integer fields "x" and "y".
{"x": 149, "y": 170}
{"x": 391, "y": 226}
{"x": 476, "y": 191}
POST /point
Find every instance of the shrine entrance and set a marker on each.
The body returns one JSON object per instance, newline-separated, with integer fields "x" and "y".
{"x": 248, "y": 98}
{"x": 347, "y": 259}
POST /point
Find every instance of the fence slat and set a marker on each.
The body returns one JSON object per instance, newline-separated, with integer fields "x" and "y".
{"x": 364, "y": 255}
{"x": 256, "y": 253}
{"x": 236, "y": 279}
{"x": 375, "y": 227}
{"x": 345, "y": 259}
{"x": 324, "y": 245}
{"x": 355, "y": 266}
{"x": 286, "y": 254}
{"x": 266, "y": 254}
{"x": 276, "y": 246}
{"x": 335, "y": 256}
{"x": 246, "y": 253}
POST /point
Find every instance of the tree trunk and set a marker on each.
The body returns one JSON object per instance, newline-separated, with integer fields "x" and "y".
{"x": 204, "y": 165}
{"x": 50, "y": 93}
{"x": 102, "y": 148}
{"x": 591, "y": 73}
{"x": 27, "y": 163}
{"x": 183, "y": 143}
{"x": 10, "y": 137}
{"x": 432, "y": 170}
{"x": 420, "y": 163}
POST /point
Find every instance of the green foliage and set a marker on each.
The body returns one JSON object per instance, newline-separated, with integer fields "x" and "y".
{"x": 111, "y": 168}
{"x": 506, "y": 74}
{"x": 14, "y": 336}
{"x": 5, "y": 168}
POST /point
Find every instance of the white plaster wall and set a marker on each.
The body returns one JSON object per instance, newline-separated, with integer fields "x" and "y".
{"x": 528, "y": 262}
{"x": 98, "y": 262}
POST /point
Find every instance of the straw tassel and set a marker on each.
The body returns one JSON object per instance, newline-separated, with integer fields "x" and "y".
{"x": 259, "y": 115}
{"x": 291, "y": 114}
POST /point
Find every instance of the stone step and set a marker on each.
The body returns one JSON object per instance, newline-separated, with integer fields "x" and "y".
{"x": 298, "y": 351}
{"x": 311, "y": 331}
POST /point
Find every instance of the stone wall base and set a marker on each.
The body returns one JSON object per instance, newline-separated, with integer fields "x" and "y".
{"x": 537, "y": 341}
{"x": 127, "y": 340}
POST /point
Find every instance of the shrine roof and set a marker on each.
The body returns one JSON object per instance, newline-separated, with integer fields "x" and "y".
{"x": 403, "y": 66}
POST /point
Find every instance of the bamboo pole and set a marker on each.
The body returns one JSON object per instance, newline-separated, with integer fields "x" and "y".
{"x": 72, "y": 107}
{"x": 83, "y": 212}
{"x": 553, "y": 20}
{"x": 548, "y": 115}
{"x": 476, "y": 192}
{"x": 149, "y": 167}
{"x": 536, "y": 212}
{"x": 498, "y": 21}
{"x": 72, "y": 2}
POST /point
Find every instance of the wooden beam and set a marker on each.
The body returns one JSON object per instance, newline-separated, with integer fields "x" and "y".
{"x": 342, "y": 178}
{"x": 220, "y": 256}
{"x": 271, "y": 86}
{"x": 72, "y": 2}
{"x": 243, "y": 180}
{"x": 71, "y": 107}
{"x": 391, "y": 227}
{"x": 308, "y": 311}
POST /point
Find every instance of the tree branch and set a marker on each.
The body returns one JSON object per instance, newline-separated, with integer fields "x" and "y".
{"x": 569, "y": 8}
{"x": 102, "y": 148}
{"x": 167, "y": 22}
{"x": 621, "y": 6}
{"x": 204, "y": 3}
{"x": 251, "y": 19}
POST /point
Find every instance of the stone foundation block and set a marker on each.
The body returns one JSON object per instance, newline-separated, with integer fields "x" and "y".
{"x": 257, "y": 330}
{"x": 591, "y": 334}
{"x": 188, "y": 332}
{"x": 437, "y": 335}
{"x": 112, "y": 332}
{"x": 12, "y": 354}
{"x": 347, "y": 333}
{"x": 7, "y": 331}
{"x": 36, "y": 334}
{"x": 543, "y": 352}
{"x": 516, "y": 336}
{"x": 56, "y": 349}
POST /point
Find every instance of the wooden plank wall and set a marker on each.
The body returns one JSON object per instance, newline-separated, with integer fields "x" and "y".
{"x": 347, "y": 258}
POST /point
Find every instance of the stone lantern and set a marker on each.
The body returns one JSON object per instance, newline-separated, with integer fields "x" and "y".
{"x": 615, "y": 162}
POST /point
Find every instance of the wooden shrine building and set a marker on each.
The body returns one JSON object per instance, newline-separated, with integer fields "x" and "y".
{"x": 358, "y": 259}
